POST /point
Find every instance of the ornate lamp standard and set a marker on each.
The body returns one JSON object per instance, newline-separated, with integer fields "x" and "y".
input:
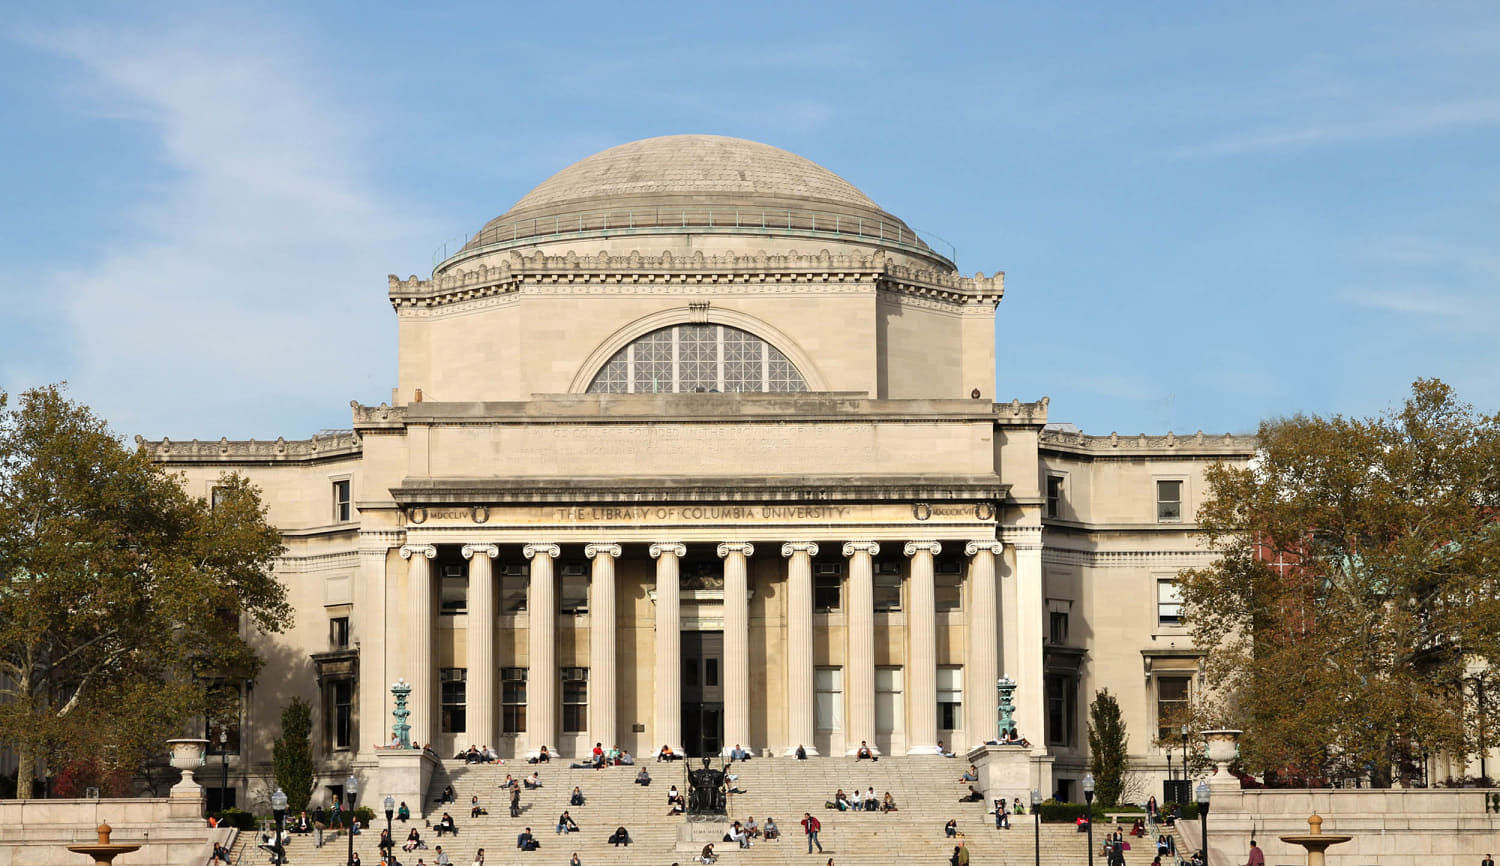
{"x": 224, "y": 761}
{"x": 1036, "y": 817}
{"x": 1088, "y": 799}
{"x": 390, "y": 809}
{"x": 1184, "y": 758}
{"x": 351, "y": 790}
{"x": 1202, "y": 792}
{"x": 278, "y": 808}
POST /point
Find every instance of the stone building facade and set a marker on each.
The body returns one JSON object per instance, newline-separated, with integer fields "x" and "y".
{"x": 697, "y": 445}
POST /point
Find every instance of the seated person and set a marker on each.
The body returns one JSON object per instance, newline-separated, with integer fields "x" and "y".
{"x": 533, "y": 781}
{"x": 413, "y": 841}
{"x": 475, "y": 810}
{"x": 612, "y": 756}
{"x": 220, "y": 853}
{"x": 738, "y": 754}
{"x": 972, "y": 797}
{"x": 843, "y": 801}
{"x": 403, "y": 814}
{"x": 1082, "y": 822}
{"x": 675, "y": 801}
{"x": 708, "y": 855}
{"x": 445, "y": 825}
{"x": 871, "y": 801}
{"x": 1016, "y": 808}
{"x": 771, "y": 831}
{"x": 666, "y": 754}
{"x": 801, "y": 753}
{"x": 448, "y": 795}
{"x": 566, "y": 824}
{"x": 888, "y": 804}
{"x": 970, "y": 775}
{"x": 1138, "y": 828}
{"x": 619, "y": 837}
{"x": 950, "y": 829}
{"x": 576, "y": 799}
{"x": 625, "y": 758}
{"x": 943, "y": 750}
{"x": 1002, "y": 817}
{"x": 643, "y": 777}
{"x": 472, "y": 755}
{"x": 1162, "y": 848}
{"x": 751, "y": 827}
{"x": 510, "y": 781}
{"x": 865, "y": 752}
{"x": 488, "y": 755}
{"x": 527, "y": 842}
{"x": 737, "y": 834}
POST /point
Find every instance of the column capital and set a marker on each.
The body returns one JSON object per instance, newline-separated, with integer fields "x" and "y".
{"x": 808, "y": 547}
{"x": 490, "y": 550}
{"x": 983, "y": 545}
{"x": 853, "y": 547}
{"x": 603, "y": 548}
{"x": 912, "y": 548}
{"x": 676, "y": 548}
{"x": 427, "y": 550}
{"x": 1022, "y": 537}
{"x": 742, "y": 547}
{"x": 550, "y": 551}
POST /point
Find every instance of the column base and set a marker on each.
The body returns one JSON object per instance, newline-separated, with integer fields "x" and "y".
{"x": 791, "y": 752}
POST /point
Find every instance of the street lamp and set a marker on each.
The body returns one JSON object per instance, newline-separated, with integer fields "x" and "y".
{"x": 1202, "y": 793}
{"x": 224, "y": 759}
{"x": 1088, "y": 799}
{"x": 351, "y": 790}
{"x": 390, "y": 809}
{"x": 1184, "y": 756}
{"x": 278, "y": 808}
{"x": 1036, "y": 817}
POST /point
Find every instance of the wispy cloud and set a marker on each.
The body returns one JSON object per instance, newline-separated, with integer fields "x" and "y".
{"x": 1392, "y": 121}
{"x": 254, "y": 275}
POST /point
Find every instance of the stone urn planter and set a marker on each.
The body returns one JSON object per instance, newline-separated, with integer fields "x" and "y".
{"x": 1223, "y": 746}
{"x": 187, "y": 756}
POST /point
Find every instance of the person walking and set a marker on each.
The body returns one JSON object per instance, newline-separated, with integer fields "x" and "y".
{"x": 1258, "y": 858}
{"x": 1487, "y": 861}
{"x": 811, "y": 826}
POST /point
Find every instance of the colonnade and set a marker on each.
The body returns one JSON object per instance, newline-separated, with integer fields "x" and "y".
{"x": 981, "y": 655}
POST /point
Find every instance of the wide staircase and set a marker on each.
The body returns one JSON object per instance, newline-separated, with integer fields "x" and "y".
{"x": 926, "y": 791}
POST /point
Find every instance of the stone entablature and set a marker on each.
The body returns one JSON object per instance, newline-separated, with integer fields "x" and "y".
{"x": 331, "y": 446}
{"x": 1197, "y": 445}
{"x": 823, "y": 268}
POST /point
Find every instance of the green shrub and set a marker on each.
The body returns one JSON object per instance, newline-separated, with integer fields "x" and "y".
{"x": 365, "y": 815}
{"x": 1054, "y": 812}
{"x": 1189, "y": 810}
{"x": 236, "y": 818}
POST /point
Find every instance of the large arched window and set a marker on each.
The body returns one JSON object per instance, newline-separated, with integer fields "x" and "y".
{"x": 685, "y": 358}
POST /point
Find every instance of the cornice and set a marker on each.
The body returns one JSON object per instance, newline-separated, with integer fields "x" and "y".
{"x": 331, "y": 446}
{"x": 1197, "y": 445}
{"x": 1127, "y": 558}
{"x": 982, "y": 491}
{"x": 347, "y": 559}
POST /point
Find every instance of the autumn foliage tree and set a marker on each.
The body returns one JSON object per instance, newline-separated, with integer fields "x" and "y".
{"x": 1357, "y": 590}
{"x": 121, "y": 596}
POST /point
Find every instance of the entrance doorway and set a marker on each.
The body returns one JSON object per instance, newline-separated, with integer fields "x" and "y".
{"x": 702, "y": 692}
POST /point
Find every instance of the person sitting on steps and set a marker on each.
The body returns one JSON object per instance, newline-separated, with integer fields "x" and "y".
{"x": 643, "y": 777}
{"x": 865, "y": 752}
{"x": 445, "y": 825}
{"x": 619, "y": 837}
{"x": 566, "y": 824}
{"x": 576, "y": 798}
{"x": 527, "y": 842}
{"x": 972, "y": 797}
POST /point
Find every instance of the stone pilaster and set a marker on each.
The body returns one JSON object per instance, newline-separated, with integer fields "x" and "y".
{"x": 541, "y": 675}
{"x": 921, "y": 650}
{"x": 984, "y": 643}
{"x": 668, "y": 646}
{"x": 368, "y": 634}
{"x": 736, "y": 643}
{"x": 603, "y": 678}
{"x": 859, "y": 659}
{"x": 1031, "y": 618}
{"x": 480, "y": 657}
{"x": 799, "y": 646}
{"x": 419, "y": 628}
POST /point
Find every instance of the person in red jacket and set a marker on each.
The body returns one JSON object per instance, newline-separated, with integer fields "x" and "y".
{"x": 810, "y": 826}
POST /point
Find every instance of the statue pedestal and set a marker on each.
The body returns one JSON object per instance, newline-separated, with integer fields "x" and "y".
{"x": 1011, "y": 772}
{"x": 405, "y": 776}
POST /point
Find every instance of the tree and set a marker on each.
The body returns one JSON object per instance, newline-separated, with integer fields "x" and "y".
{"x": 121, "y": 596}
{"x": 292, "y": 755}
{"x": 1108, "y": 760}
{"x": 1357, "y": 588}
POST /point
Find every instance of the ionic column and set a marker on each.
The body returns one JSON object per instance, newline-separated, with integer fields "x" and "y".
{"x": 859, "y": 660}
{"x": 419, "y": 626}
{"x": 799, "y": 646}
{"x": 481, "y": 644}
{"x": 368, "y": 626}
{"x": 984, "y": 642}
{"x": 1031, "y": 617}
{"x": 603, "y": 683}
{"x": 541, "y": 676}
{"x": 921, "y": 655}
{"x": 668, "y": 728}
{"x": 736, "y": 643}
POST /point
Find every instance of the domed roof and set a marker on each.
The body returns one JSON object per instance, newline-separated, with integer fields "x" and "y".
{"x": 695, "y": 183}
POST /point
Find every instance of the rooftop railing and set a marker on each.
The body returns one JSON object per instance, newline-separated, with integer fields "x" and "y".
{"x": 784, "y": 222}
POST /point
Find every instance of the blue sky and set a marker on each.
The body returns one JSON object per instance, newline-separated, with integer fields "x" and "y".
{"x": 1207, "y": 213}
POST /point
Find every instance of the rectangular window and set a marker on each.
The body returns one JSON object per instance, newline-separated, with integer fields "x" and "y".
{"x": 1054, "y": 495}
{"x": 223, "y": 718}
{"x": 888, "y": 586}
{"x": 215, "y": 497}
{"x": 453, "y": 590}
{"x": 828, "y": 586}
{"x": 948, "y": 577}
{"x": 889, "y": 717}
{"x": 574, "y": 595}
{"x": 950, "y": 697}
{"x": 1168, "y": 501}
{"x": 513, "y": 579}
{"x": 1168, "y": 603}
{"x": 828, "y": 698}
{"x": 341, "y": 506}
{"x": 575, "y": 698}
{"x": 343, "y": 713}
{"x": 1171, "y": 704}
{"x": 455, "y": 689}
{"x": 338, "y": 632}
{"x": 1061, "y": 709}
{"x": 513, "y": 700}
{"x": 1058, "y": 627}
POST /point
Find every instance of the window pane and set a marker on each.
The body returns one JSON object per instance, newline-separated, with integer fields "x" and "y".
{"x": 1168, "y": 602}
{"x": 747, "y": 363}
